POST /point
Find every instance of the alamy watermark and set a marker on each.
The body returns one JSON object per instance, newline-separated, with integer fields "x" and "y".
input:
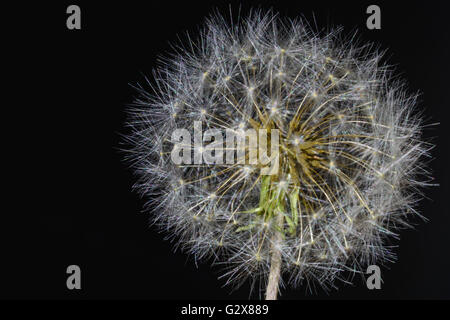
{"x": 240, "y": 146}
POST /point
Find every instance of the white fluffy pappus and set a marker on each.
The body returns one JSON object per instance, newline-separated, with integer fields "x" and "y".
{"x": 352, "y": 160}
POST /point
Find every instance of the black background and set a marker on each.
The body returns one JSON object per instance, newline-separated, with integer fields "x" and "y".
{"x": 83, "y": 210}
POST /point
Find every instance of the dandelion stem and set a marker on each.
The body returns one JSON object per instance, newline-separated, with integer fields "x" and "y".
{"x": 275, "y": 263}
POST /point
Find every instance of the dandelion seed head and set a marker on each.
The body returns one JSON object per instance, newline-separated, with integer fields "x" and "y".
{"x": 351, "y": 160}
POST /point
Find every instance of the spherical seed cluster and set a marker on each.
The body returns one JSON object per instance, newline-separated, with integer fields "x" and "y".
{"x": 349, "y": 156}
